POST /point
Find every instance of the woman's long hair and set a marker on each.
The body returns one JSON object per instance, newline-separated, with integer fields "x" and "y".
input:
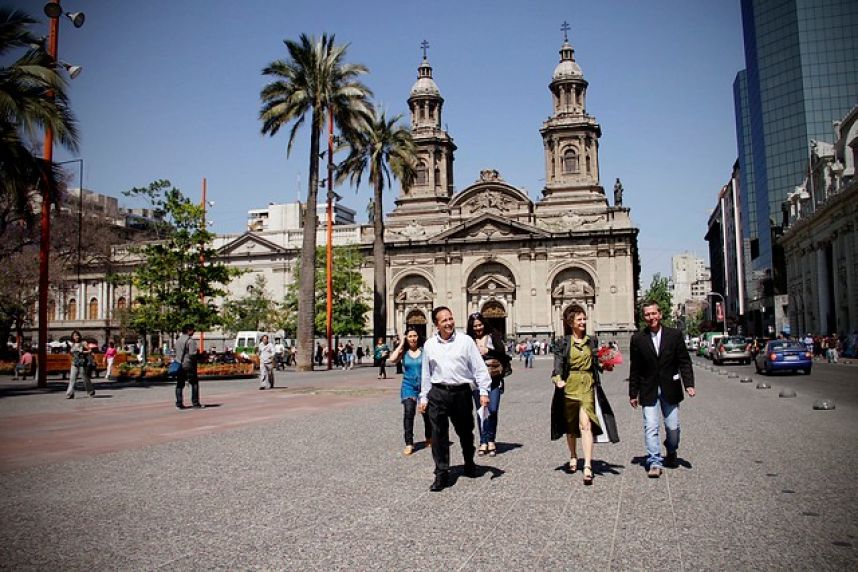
{"x": 487, "y": 330}
{"x": 420, "y": 339}
{"x": 571, "y": 311}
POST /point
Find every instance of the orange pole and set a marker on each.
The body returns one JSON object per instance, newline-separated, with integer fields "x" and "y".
{"x": 202, "y": 261}
{"x": 329, "y": 253}
{"x": 45, "y": 235}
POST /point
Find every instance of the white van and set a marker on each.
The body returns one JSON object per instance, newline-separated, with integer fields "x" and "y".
{"x": 247, "y": 340}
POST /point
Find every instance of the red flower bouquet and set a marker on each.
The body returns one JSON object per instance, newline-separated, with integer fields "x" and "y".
{"x": 609, "y": 357}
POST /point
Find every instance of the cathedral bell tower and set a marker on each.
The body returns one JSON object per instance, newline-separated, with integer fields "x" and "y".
{"x": 433, "y": 185}
{"x": 571, "y": 140}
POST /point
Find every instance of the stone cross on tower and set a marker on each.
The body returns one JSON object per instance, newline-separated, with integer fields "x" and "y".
{"x": 565, "y": 27}
{"x": 425, "y": 46}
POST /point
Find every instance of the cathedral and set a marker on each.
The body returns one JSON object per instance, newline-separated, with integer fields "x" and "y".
{"x": 491, "y": 249}
{"x": 488, "y": 248}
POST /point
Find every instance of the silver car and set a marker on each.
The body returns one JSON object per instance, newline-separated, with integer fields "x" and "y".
{"x": 731, "y": 348}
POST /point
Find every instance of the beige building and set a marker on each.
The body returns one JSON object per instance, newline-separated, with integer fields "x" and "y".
{"x": 487, "y": 248}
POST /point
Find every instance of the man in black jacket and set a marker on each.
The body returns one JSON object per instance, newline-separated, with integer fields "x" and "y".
{"x": 660, "y": 367}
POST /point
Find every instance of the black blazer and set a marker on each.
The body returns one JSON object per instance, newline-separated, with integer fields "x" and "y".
{"x": 669, "y": 370}
{"x": 558, "y": 415}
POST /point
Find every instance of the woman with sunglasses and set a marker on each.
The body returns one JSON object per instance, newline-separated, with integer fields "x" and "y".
{"x": 491, "y": 347}
{"x": 410, "y": 353}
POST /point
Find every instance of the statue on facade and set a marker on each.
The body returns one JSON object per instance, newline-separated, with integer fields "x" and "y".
{"x": 618, "y": 193}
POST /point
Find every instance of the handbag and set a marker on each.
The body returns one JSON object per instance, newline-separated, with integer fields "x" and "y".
{"x": 495, "y": 367}
{"x": 174, "y": 368}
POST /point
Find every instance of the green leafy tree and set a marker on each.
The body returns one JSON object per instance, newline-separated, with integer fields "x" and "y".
{"x": 659, "y": 291}
{"x": 350, "y": 294}
{"x": 694, "y": 322}
{"x": 256, "y": 311}
{"x": 175, "y": 271}
{"x": 313, "y": 81}
{"x": 385, "y": 147}
{"x": 33, "y": 99}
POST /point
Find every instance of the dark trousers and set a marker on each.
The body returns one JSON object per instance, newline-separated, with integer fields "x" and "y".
{"x": 409, "y": 405}
{"x": 191, "y": 378}
{"x": 451, "y": 404}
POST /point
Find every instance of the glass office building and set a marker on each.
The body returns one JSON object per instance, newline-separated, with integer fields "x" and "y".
{"x": 801, "y": 74}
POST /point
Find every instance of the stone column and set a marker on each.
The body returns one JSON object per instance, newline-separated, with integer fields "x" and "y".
{"x": 822, "y": 295}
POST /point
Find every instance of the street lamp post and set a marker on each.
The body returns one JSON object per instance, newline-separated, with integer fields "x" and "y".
{"x": 329, "y": 255}
{"x": 723, "y": 307}
{"x": 53, "y": 11}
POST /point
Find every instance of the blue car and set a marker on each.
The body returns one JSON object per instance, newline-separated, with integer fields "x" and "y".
{"x": 784, "y": 355}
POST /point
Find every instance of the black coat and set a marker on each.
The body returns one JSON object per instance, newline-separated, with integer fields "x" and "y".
{"x": 669, "y": 370}
{"x": 558, "y": 405}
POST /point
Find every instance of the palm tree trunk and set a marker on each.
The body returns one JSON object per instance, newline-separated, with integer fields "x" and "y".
{"x": 379, "y": 311}
{"x": 307, "y": 286}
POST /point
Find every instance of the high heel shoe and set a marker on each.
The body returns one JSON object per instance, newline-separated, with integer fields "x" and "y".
{"x": 588, "y": 475}
{"x": 573, "y": 464}
{"x": 482, "y": 450}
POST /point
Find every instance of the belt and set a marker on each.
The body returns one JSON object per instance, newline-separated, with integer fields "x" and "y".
{"x": 453, "y": 386}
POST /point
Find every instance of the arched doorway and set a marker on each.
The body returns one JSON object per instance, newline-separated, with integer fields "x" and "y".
{"x": 573, "y": 286}
{"x": 417, "y": 320}
{"x": 495, "y": 316}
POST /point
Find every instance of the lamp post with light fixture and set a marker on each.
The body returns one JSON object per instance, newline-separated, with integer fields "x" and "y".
{"x": 53, "y": 11}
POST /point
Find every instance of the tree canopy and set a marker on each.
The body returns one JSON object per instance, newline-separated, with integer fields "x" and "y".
{"x": 659, "y": 291}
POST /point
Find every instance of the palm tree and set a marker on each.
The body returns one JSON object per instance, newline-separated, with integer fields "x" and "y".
{"x": 316, "y": 81}
{"x": 384, "y": 148}
{"x": 32, "y": 99}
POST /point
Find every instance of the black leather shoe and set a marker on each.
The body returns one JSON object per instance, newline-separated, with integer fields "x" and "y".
{"x": 198, "y": 406}
{"x": 470, "y": 470}
{"x": 440, "y": 482}
{"x": 670, "y": 461}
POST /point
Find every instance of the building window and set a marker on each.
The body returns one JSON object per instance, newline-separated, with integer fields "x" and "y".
{"x": 93, "y": 309}
{"x": 422, "y": 174}
{"x": 52, "y": 310}
{"x": 71, "y": 310}
{"x": 570, "y": 161}
{"x": 121, "y": 303}
{"x": 588, "y": 165}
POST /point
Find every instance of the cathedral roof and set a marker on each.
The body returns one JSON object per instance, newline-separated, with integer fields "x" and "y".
{"x": 425, "y": 85}
{"x": 568, "y": 68}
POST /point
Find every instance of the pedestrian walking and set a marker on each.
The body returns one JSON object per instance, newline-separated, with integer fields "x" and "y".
{"x": 320, "y": 352}
{"x": 186, "y": 354}
{"x": 410, "y": 353}
{"x": 80, "y": 353}
{"x": 528, "y": 354}
{"x": 279, "y": 355}
{"x": 350, "y": 356}
{"x": 660, "y": 367}
{"x": 265, "y": 351}
{"x": 109, "y": 357}
{"x": 380, "y": 354}
{"x": 451, "y": 363}
{"x": 359, "y": 354}
{"x": 579, "y": 408}
{"x": 491, "y": 348}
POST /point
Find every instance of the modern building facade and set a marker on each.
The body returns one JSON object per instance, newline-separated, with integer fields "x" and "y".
{"x": 801, "y": 74}
{"x": 689, "y": 278}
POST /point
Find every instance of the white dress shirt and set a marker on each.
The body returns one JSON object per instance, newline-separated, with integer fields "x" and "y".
{"x": 656, "y": 339}
{"x": 455, "y": 361}
{"x": 266, "y": 353}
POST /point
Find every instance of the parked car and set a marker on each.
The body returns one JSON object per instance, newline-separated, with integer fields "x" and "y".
{"x": 784, "y": 355}
{"x": 732, "y": 348}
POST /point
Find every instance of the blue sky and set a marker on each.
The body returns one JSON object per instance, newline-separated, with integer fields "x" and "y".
{"x": 170, "y": 89}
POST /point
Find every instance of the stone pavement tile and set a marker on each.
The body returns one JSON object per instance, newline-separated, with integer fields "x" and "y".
{"x": 575, "y": 555}
{"x": 642, "y": 549}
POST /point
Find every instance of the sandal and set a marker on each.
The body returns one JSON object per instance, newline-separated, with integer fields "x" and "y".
{"x": 482, "y": 450}
{"x": 573, "y": 464}
{"x": 588, "y": 475}
{"x": 492, "y": 450}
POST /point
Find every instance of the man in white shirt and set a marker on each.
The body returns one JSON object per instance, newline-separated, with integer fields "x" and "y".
{"x": 265, "y": 351}
{"x": 451, "y": 363}
{"x": 279, "y": 353}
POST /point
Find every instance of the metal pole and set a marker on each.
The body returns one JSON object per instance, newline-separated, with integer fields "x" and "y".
{"x": 45, "y": 237}
{"x": 202, "y": 261}
{"x": 329, "y": 255}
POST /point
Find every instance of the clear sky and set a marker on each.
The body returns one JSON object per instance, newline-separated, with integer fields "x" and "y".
{"x": 170, "y": 89}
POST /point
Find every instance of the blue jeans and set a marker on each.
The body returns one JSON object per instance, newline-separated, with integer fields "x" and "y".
{"x": 670, "y": 412}
{"x": 489, "y": 427}
{"x": 528, "y": 359}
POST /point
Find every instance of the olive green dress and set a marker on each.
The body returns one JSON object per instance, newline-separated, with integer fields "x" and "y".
{"x": 580, "y": 386}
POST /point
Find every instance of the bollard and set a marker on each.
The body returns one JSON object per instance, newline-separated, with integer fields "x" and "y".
{"x": 733, "y": 376}
{"x": 722, "y": 372}
{"x": 764, "y": 385}
{"x": 786, "y": 393}
{"x": 823, "y": 404}
{"x": 746, "y": 380}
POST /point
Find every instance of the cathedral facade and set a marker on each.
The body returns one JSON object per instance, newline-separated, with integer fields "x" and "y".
{"x": 491, "y": 249}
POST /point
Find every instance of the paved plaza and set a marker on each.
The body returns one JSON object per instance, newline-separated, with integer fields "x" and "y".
{"x": 310, "y": 476}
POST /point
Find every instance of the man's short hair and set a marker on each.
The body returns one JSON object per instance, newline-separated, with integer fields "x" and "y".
{"x": 187, "y": 328}
{"x": 437, "y": 310}
{"x": 649, "y": 302}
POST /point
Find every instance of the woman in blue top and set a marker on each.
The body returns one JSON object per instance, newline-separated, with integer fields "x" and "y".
{"x": 410, "y": 351}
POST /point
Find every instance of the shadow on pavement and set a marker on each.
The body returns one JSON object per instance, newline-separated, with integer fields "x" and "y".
{"x": 506, "y": 447}
{"x": 55, "y": 386}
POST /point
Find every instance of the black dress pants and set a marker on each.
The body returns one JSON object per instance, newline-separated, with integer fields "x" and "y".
{"x": 191, "y": 378}
{"x": 451, "y": 403}
{"x": 410, "y": 412}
